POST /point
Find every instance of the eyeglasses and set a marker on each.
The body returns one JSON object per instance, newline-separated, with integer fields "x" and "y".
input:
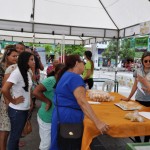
{"x": 146, "y": 61}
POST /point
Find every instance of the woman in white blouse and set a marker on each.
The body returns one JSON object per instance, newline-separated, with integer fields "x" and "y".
{"x": 19, "y": 83}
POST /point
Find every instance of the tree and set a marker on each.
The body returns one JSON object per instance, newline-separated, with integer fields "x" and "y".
{"x": 111, "y": 50}
{"x": 48, "y": 49}
{"x": 71, "y": 49}
{"x": 126, "y": 52}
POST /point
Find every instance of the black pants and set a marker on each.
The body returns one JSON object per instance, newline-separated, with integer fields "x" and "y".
{"x": 89, "y": 82}
{"x": 146, "y": 138}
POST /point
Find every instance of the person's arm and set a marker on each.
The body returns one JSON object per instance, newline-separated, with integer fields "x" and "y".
{"x": 4, "y": 80}
{"x": 38, "y": 93}
{"x": 145, "y": 82}
{"x": 80, "y": 95}
{"x": 6, "y": 92}
{"x": 134, "y": 88}
{"x": 31, "y": 102}
{"x": 41, "y": 67}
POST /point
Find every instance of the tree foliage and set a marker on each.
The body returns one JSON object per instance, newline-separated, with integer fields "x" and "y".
{"x": 111, "y": 51}
{"x": 71, "y": 49}
{"x": 49, "y": 49}
{"x": 124, "y": 50}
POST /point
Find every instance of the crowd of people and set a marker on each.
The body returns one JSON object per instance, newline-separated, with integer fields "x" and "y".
{"x": 20, "y": 68}
{"x": 62, "y": 95}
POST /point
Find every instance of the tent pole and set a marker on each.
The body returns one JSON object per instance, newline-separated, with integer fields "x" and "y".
{"x": 116, "y": 63}
{"x": 63, "y": 48}
{"x": 108, "y": 14}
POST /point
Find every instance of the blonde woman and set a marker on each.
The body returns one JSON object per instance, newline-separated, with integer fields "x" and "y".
{"x": 8, "y": 64}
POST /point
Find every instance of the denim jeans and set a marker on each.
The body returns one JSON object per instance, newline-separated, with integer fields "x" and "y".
{"x": 17, "y": 120}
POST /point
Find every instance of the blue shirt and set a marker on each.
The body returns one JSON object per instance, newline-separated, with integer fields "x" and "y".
{"x": 65, "y": 88}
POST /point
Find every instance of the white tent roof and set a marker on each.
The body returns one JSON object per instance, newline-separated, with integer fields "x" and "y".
{"x": 80, "y": 20}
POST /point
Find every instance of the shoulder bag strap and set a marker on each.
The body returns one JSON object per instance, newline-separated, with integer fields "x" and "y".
{"x": 57, "y": 110}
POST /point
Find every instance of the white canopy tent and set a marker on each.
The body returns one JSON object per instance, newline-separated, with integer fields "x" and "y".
{"x": 81, "y": 21}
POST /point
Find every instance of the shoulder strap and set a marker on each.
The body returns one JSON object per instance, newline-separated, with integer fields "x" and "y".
{"x": 57, "y": 109}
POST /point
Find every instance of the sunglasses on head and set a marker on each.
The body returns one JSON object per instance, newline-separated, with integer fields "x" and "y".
{"x": 146, "y": 61}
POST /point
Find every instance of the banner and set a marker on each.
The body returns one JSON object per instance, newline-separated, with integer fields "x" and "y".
{"x": 141, "y": 44}
{"x": 145, "y": 28}
{"x": 5, "y": 43}
{"x": 132, "y": 43}
{"x": 149, "y": 45}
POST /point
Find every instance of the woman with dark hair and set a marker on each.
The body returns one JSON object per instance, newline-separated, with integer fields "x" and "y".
{"x": 89, "y": 69}
{"x": 142, "y": 98}
{"x": 45, "y": 92}
{"x": 70, "y": 101}
{"x": 8, "y": 64}
{"x": 19, "y": 83}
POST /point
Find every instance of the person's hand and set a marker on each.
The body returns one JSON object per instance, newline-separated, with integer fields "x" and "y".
{"x": 141, "y": 79}
{"x": 102, "y": 126}
{"x": 125, "y": 99}
{"x": 48, "y": 106}
{"x": 18, "y": 100}
{"x": 146, "y": 89}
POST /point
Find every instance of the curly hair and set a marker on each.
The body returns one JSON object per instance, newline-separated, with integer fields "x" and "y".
{"x": 23, "y": 67}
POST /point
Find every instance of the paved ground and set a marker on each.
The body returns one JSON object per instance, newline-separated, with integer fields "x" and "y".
{"x": 100, "y": 143}
{"x": 103, "y": 142}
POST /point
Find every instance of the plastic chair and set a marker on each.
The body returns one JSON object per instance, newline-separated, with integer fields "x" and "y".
{"x": 108, "y": 85}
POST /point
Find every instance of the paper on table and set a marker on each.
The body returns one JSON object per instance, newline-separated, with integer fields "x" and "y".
{"x": 92, "y": 102}
{"x": 145, "y": 114}
{"x": 144, "y": 147}
{"x": 140, "y": 87}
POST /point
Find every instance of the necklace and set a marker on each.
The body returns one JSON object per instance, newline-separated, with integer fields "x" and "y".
{"x": 146, "y": 71}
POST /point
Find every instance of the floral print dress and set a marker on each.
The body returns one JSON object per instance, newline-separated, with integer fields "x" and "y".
{"x": 4, "y": 119}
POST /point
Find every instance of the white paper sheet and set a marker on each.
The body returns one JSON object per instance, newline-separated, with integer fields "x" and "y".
{"x": 145, "y": 114}
{"x": 92, "y": 102}
{"x": 140, "y": 87}
{"x": 144, "y": 147}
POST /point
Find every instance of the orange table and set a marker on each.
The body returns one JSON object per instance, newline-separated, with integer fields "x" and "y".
{"x": 118, "y": 126}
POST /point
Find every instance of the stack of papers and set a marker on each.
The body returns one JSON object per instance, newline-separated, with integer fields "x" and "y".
{"x": 92, "y": 102}
{"x": 145, "y": 114}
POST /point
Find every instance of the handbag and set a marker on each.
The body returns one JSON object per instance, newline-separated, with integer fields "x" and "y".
{"x": 69, "y": 134}
{"x": 28, "y": 126}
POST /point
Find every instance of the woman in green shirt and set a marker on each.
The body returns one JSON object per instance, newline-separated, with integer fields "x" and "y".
{"x": 89, "y": 69}
{"x": 45, "y": 92}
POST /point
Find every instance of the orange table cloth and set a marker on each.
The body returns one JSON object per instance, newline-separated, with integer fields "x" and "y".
{"x": 118, "y": 125}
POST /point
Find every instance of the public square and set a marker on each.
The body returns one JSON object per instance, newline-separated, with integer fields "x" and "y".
{"x": 103, "y": 142}
{"x": 114, "y": 33}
